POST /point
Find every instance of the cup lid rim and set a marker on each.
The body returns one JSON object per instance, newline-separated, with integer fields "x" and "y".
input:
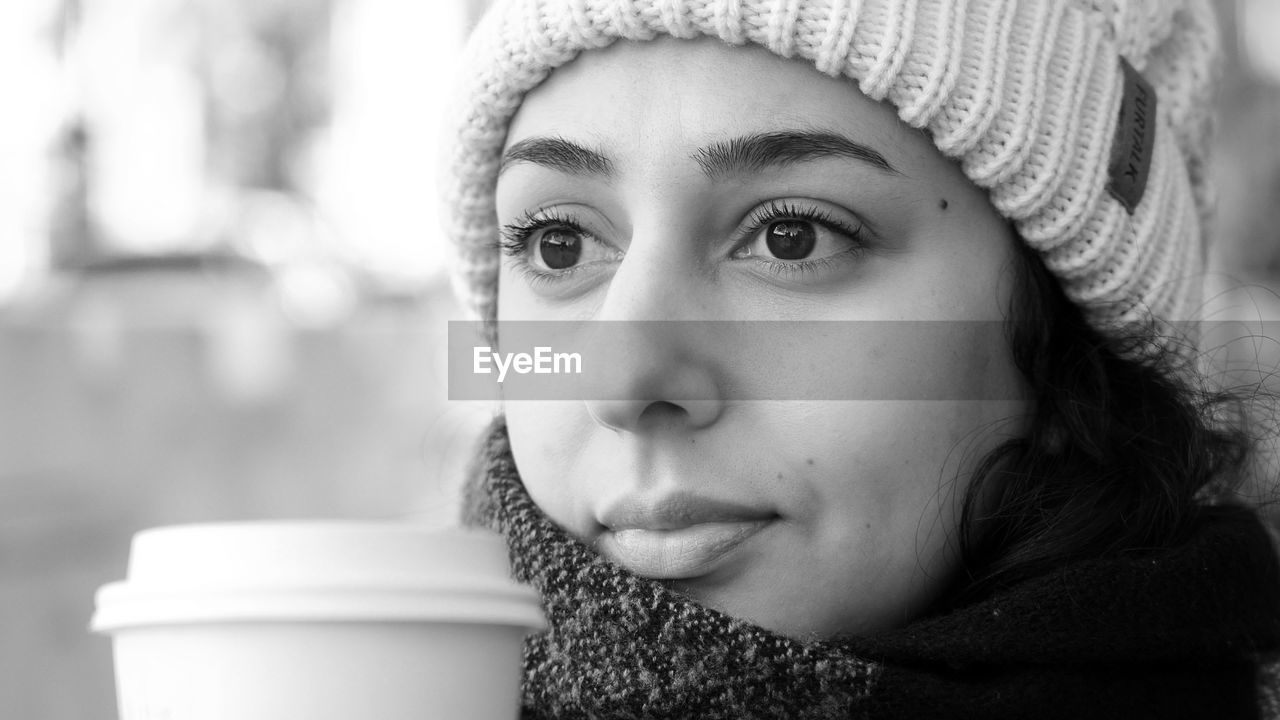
{"x": 120, "y": 606}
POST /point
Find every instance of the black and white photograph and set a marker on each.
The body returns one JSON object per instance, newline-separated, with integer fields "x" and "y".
{"x": 639, "y": 359}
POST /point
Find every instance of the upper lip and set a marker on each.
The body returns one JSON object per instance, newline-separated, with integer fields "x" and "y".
{"x": 676, "y": 510}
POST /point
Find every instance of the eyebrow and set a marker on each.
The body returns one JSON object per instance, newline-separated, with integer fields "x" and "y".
{"x": 759, "y": 151}
{"x": 737, "y": 156}
{"x": 557, "y": 154}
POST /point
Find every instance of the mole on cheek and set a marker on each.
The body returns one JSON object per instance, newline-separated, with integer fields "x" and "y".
{"x": 943, "y": 204}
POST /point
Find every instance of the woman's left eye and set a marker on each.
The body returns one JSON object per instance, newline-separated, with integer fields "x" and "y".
{"x": 791, "y": 239}
{"x": 789, "y": 234}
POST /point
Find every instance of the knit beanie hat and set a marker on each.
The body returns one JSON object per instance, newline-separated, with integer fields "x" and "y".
{"x": 1085, "y": 120}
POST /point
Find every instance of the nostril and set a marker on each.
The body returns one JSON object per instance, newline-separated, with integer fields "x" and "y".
{"x": 653, "y": 379}
{"x": 661, "y": 411}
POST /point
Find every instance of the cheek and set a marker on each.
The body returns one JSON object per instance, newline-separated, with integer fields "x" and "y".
{"x": 895, "y": 463}
{"x": 898, "y": 475}
{"x": 870, "y": 360}
{"x": 546, "y": 439}
{"x": 515, "y": 301}
{"x": 872, "y": 504}
{"x": 542, "y": 433}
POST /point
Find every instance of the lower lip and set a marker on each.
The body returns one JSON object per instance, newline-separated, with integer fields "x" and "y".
{"x": 677, "y": 554}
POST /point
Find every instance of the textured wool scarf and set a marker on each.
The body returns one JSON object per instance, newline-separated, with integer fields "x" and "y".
{"x": 1172, "y": 633}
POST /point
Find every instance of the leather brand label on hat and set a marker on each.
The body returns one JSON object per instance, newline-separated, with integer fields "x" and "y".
{"x": 1135, "y": 140}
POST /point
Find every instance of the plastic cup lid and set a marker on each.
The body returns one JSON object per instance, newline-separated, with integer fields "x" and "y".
{"x": 315, "y": 571}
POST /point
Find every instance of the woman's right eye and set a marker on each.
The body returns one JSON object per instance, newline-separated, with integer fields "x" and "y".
{"x": 559, "y": 248}
{"x": 548, "y": 247}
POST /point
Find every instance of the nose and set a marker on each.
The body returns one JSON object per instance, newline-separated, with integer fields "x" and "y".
{"x": 656, "y": 393}
{"x": 662, "y": 347}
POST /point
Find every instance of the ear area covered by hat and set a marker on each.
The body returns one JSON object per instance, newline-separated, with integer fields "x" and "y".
{"x": 1086, "y": 121}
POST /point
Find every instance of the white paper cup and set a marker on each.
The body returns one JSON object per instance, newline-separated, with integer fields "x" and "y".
{"x": 317, "y": 621}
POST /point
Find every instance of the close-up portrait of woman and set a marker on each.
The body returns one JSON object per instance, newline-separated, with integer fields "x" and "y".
{"x": 1055, "y": 537}
{"x": 639, "y": 359}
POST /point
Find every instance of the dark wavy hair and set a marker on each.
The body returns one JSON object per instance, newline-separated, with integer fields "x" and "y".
{"x": 1127, "y": 448}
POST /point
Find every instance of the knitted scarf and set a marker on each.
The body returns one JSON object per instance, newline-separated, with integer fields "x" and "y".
{"x": 1171, "y": 633}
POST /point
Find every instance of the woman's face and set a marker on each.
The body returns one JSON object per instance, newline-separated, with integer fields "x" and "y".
{"x": 692, "y": 181}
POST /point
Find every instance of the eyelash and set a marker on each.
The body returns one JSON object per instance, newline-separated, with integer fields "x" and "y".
{"x": 514, "y": 242}
{"x": 762, "y": 217}
{"x": 515, "y": 237}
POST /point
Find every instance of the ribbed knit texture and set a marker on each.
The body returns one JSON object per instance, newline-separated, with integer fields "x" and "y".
{"x": 1023, "y": 94}
{"x": 1167, "y": 633}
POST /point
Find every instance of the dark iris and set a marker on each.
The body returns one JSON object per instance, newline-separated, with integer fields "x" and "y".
{"x": 560, "y": 249}
{"x": 791, "y": 239}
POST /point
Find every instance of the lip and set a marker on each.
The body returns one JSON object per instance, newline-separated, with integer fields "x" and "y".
{"x": 678, "y": 536}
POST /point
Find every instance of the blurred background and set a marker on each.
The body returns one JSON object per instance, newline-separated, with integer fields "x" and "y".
{"x": 222, "y": 293}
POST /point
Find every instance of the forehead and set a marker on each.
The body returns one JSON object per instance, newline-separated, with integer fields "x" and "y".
{"x": 697, "y": 88}
{"x": 643, "y": 102}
